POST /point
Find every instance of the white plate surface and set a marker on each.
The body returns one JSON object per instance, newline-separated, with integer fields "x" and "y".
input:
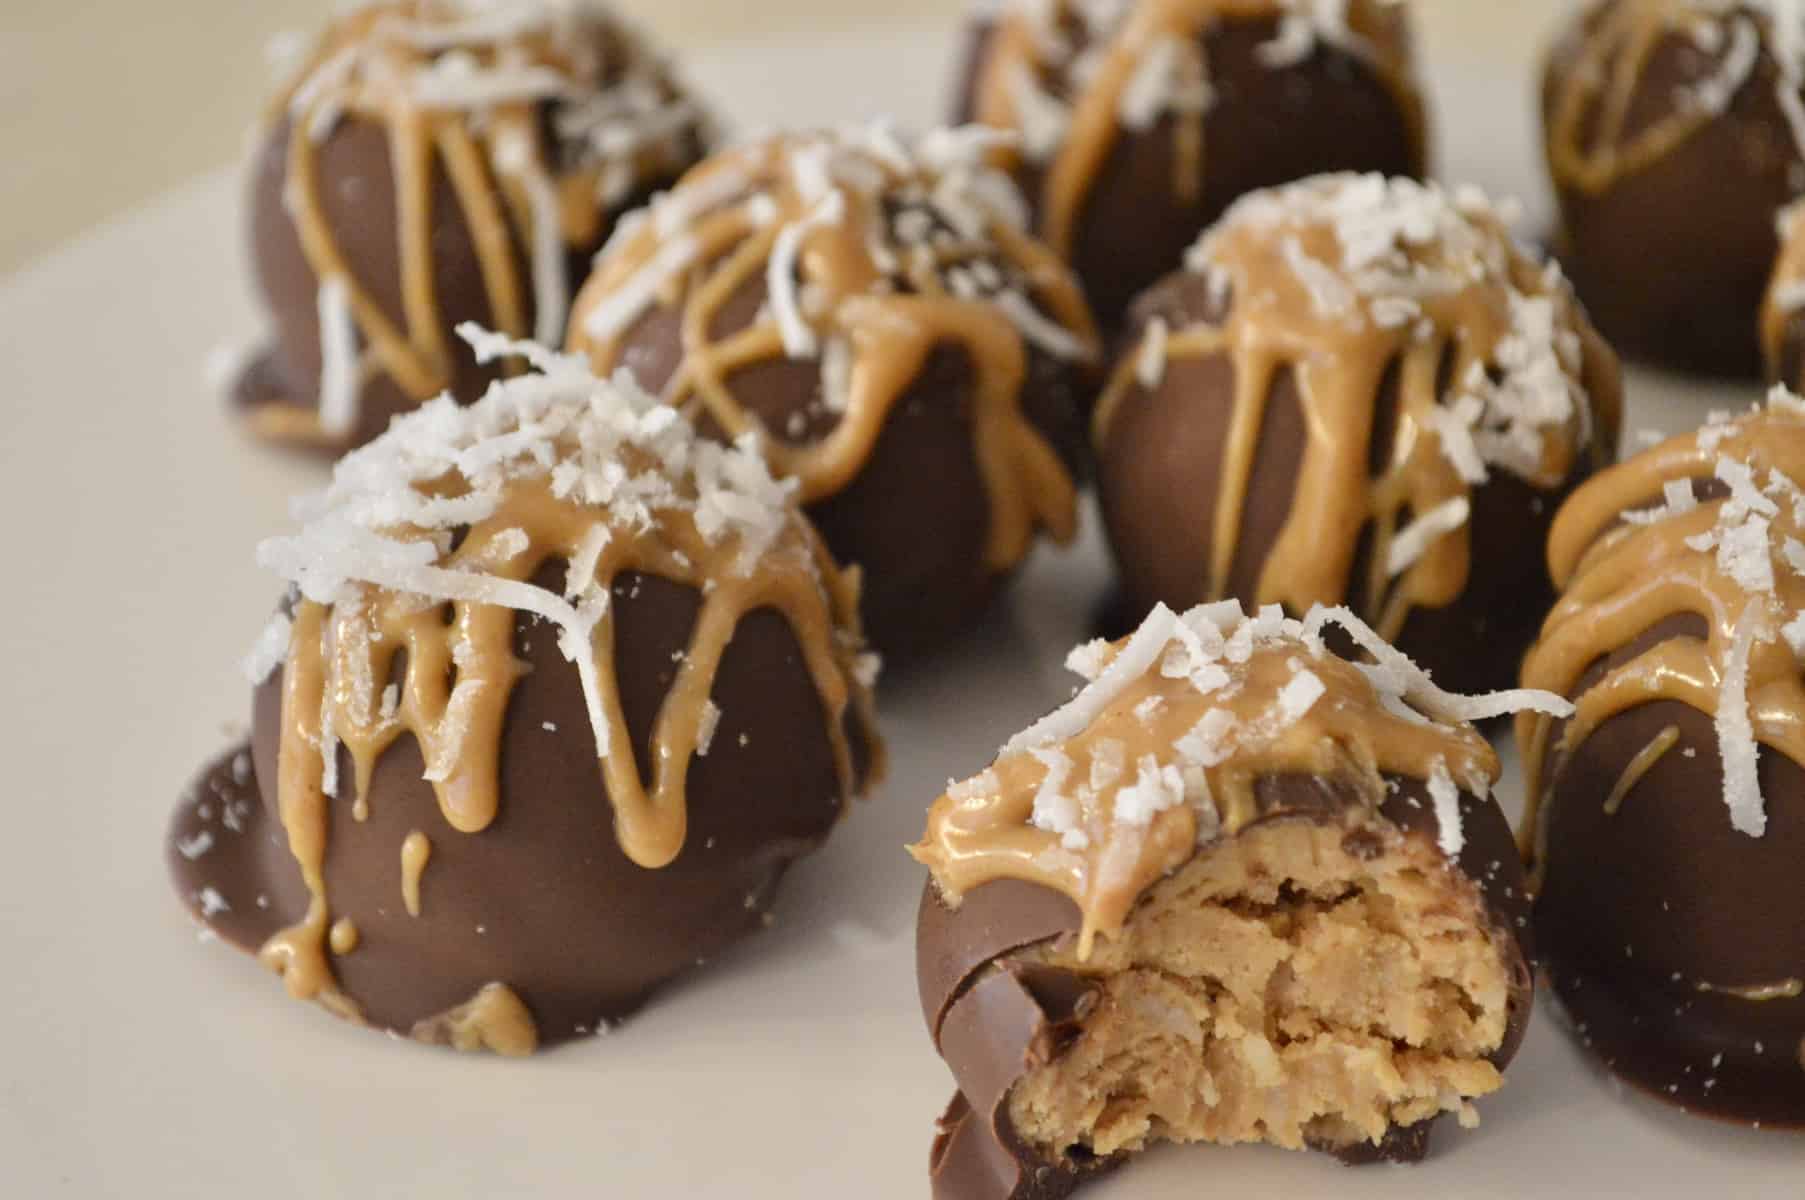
{"x": 139, "y": 1062}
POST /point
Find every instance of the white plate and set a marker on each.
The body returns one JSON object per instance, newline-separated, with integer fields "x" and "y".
{"x": 139, "y": 1062}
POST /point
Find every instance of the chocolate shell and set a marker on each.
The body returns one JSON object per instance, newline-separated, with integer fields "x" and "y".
{"x": 1672, "y": 147}
{"x": 1258, "y": 95}
{"x": 458, "y": 227}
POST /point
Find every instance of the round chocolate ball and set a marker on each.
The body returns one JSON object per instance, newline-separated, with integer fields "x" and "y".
{"x": 1237, "y": 890}
{"x": 1783, "y": 309}
{"x": 1673, "y": 137}
{"x": 1141, "y": 122}
{"x": 872, "y": 311}
{"x": 1667, "y": 818}
{"x": 586, "y": 698}
{"x": 427, "y": 166}
{"x": 1362, "y": 392}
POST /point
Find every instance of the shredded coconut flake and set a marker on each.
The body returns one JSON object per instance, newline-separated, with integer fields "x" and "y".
{"x": 1735, "y": 731}
{"x": 1414, "y": 540}
{"x": 1445, "y": 795}
{"x": 270, "y": 650}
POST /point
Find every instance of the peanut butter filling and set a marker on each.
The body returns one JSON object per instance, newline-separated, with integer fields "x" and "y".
{"x": 1344, "y": 282}
{"x": 874, "y": 253}
{"x": 1281, "y": 990}
{"x": 554, "y": 468}
{"x": 453, "y": 87}
{"x": 1708, "y": 525}
{"x": 1151, "y": 59}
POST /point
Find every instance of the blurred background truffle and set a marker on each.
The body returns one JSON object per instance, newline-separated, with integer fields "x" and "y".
{"x": 1141, "y": 121}
{"x": 434, "y": 162}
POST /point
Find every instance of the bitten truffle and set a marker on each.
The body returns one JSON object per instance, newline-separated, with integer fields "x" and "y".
{"x": 1675, "y": 133}
{"x": 1239, "y": 889}
{"x": 1667, "y": 819}
{"x": 433, "y": 162}
{"x": 1140, "y": 122}
{"x": 560, "y": 692}
{"x": 1358, "y": 391}
{"x": 874, "y": 311}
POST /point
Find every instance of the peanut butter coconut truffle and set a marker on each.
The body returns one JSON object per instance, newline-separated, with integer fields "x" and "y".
{"x": 434, "y": 162}
{"x": 1667, "y": 815}
{"x": 1675, "y": 133}
{"x": 1358, "y": 391}
{"x": 1140, "y": 121}
{"x": 873, "y": 308}
{"x": 1237, "y": 890}
{"x": 560, "y": 693}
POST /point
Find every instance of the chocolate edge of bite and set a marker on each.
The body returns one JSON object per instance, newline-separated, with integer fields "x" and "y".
{"x": 994, "y": 1021}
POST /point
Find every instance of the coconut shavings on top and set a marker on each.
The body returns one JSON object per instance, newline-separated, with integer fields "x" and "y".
{"x": 1176, "y": 727}
{"x": 395, "y": 507}
{"x": 1370, "y": 253}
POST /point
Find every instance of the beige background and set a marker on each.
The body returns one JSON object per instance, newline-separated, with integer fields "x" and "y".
{"x": 104, "y": 103}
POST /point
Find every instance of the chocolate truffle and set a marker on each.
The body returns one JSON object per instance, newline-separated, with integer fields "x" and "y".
{"x": 434, "y": 162}
{"x": 1140, "y": 122}
{"x": 871, "y": 309}
{"x": 1354, "y": 385}
{"x": 1238, "y": 889}
{"x": 1674, "y": 135}
{"x": 1666, "y": 825}
{"x": 560, "y": 693}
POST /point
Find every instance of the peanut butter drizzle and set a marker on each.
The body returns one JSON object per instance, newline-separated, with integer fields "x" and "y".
{"x": 1640, "y": 766}
{"x": 498, "y": 168}
{"x": 461, "y": 668}
{"x": 984, "y": 830}
{"x": 892, "y": 320}
{"x": 416, "y": 850}
{"x": 1607, "y": 61}
{"x": 344, "y": 936}
{"x": 1760, "y": 993}
{"x": 1017, "y": 46}
{"x": 495, "y": 1019}
{"x": 1338, "y": 361}
{"x": 1621, "y": 579}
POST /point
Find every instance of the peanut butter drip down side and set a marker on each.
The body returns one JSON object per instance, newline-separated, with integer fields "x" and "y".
{"x": 1072, "y": 77}
{"x": 465, "y": 87}
{"x": 874, "y": 252}
{"x": 1785, "y": 294}
{"x": 1344, "y": 281}
{"x": 1162, "y": 752}
{"x": 548, "y": 468}
{"x": 1596, "y": 133}
{"x": 1709, "y": 525}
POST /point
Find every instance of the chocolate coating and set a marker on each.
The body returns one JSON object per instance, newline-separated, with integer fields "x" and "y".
{"x": 1265, "y": 126}
{"x": 1672, "y": 258}
{"x": 1641, "y": 907}
{"x": 544, "y": 899}
{"x": 1158, "y": 475}
{"x": 995, "y": 1018}
{"x": 916, "y": 517}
